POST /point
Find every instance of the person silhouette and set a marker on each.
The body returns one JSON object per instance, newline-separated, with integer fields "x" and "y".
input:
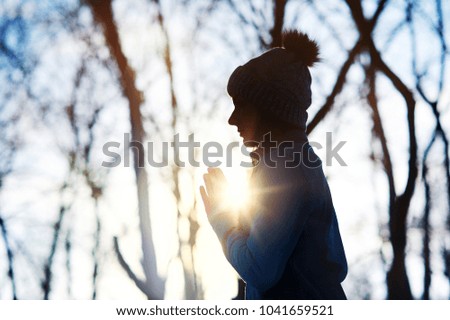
{"x": 287, "y": 244}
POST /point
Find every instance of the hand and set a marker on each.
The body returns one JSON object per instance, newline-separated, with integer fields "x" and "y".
{"x": 214, "y": 198}
{"x": 214, "y": 195}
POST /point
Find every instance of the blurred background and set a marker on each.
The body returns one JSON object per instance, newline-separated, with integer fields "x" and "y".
{"x": 76, "y": 74}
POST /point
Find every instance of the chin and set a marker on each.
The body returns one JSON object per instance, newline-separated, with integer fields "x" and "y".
{"x": 250, "y": 143}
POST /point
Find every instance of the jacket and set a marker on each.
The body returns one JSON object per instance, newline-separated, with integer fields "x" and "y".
{"x": 288, "y": 244}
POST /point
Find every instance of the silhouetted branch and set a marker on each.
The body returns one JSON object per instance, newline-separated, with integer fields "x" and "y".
{"x": 379, "y": 132}
{"x": 340, "y": 80}
{"x": 139, "y": 283}
{"x": 95, "y": 250}
{"x": 323, "y": 19}
{"x": 68, "y": 251}
{"x": 426, "y": 224}
{"x": 380, "y": 8}
{"x": 248, "y": 21}
{"x": 48, "y": 274}
{"x": 10, "y": 256}
{"x": 397, "y": 279}
{"x": 189, "y": 278}
{"x": 337, "y": 88}
{"x": 278, "y": 15}
{"x": 438, "y": 132}
{"x": 103, "y": 15}
{"x": 410, "y": 104}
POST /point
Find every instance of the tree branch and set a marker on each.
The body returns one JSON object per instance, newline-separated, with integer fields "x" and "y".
{"x": 278, "y": 14}
{"x": 10, "y": 257}
{"x": 340, "y": 80}
{"x": 139, "y": 283}
{"x": 337, "y": 88}
{"x": 103, "y": 15}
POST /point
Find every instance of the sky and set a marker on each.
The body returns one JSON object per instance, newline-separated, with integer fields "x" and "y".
{"x": 202, "y": 64}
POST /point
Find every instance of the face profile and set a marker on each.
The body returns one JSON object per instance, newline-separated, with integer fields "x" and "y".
{"x": 246, "y": 118}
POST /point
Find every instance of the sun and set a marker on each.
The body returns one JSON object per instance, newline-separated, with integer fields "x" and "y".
{"x": 237, "y": 193}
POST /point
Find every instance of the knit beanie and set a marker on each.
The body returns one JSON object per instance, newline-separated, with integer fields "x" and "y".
{"x": 278, "y": 81}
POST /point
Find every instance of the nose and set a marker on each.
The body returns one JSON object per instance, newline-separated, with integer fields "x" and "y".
{"x": 233, "y": 120}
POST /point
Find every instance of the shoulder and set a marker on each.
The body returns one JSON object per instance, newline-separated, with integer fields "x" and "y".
{"x": 288, "y": 161}
{"x": 294, "y": 171}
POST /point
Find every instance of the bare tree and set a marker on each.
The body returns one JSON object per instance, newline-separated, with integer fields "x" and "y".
{"x": 190, "y": 287}
{"x": 438, "y": 132}
{"x": 153, "y": 285}
{"x": 11, "y": 61}
{"x": 364, "y": 46}
{"x": 362, "y": 40}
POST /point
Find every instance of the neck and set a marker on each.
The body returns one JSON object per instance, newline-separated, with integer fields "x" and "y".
{"x": 277, "y": 137}
{"x": 280, "y": 140}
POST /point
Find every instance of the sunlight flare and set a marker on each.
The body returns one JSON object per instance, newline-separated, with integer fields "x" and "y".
{"x": 237, "y": 193}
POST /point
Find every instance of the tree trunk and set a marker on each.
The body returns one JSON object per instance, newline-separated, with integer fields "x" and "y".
{"x": 102, "y": 10}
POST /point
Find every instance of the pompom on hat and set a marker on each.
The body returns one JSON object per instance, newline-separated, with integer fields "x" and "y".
{"x": 279, "y": 81}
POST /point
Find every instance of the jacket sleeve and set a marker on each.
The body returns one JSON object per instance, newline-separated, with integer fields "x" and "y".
{"x": 260, "y": 253}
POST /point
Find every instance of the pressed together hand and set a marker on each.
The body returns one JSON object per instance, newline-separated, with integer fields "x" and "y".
{"x": 214, "y": 195}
